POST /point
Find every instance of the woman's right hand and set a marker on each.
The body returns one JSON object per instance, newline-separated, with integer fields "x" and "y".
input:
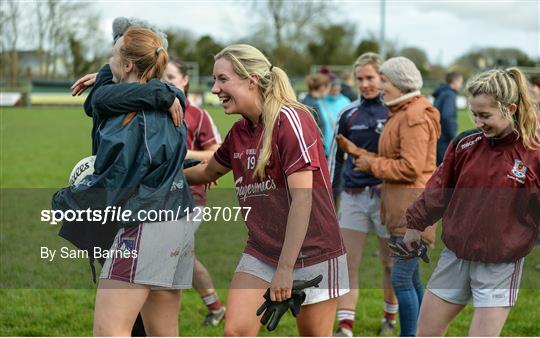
{"x": 412, "y": 236}
{"x": 83, "y": 83}
{"x": 177, "y": 114}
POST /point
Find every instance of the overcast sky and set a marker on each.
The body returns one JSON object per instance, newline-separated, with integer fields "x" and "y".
{"x": 444, "y": 29}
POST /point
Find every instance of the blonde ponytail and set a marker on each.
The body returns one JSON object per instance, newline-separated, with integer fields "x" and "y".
{"x": 275, "y": 89}
{"x": 510, "y": 87}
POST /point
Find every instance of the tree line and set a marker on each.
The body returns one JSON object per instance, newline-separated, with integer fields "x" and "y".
{"x": 66, "y": 35}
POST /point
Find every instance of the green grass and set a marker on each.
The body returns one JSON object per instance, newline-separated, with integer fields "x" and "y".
{"x": 38, "y": 148}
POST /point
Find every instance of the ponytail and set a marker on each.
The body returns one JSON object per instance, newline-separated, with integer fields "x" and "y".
{"x": 277, "y": 93}
{"x": 275, "y": 89}
{"x": 527, "y": 119}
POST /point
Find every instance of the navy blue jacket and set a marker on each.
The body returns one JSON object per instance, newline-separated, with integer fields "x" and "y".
{"x": 362, "y": 123}
{"x": 445, "y": 102}
{"x": 107, "y": 99}
{"x": 139, "y": 166}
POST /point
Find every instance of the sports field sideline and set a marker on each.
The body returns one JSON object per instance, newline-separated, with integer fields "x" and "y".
{"x": 38, "y": 148}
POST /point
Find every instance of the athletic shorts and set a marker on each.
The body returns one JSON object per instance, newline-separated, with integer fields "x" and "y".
{"x": 488, "y": 284}
{"x": 361, "y": 212}
{"x": 335, "y": 280}
{"x": 198, "y": 212}
{"x": 164, "y": 255}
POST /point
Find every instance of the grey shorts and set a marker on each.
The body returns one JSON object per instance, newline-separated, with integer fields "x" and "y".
{"x": 335, "y": 280}
{"x": 488, "y": 284}
{"x": 164, "y": 255}
{"x": 197, "y": 211}
{"x": 361, "y": 212}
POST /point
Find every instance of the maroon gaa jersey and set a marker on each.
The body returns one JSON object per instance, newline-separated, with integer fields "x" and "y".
{"x": 487, "y": 192}
{"x": 296, "y": 146}
{"x": 201, "y": 133}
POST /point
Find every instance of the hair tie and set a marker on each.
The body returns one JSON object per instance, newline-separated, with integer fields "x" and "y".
{"x": 271, "y": 67}
{"x": 158, "y": 50}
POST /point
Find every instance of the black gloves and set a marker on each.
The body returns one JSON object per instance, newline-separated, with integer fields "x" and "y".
{"x": 398, "y": 248}
{"x": 273, "y": 311}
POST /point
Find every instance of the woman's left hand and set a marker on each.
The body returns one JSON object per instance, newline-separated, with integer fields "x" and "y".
{"x": 363, "y": 163}
{"x": 281, "y": 286}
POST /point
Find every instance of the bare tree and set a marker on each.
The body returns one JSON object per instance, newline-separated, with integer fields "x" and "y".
{"x": 10, "y": 15}
{"x": 67, "y": 35}
{"x": 290, "y": 19}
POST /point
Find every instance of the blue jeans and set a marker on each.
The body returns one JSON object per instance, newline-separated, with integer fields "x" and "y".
{"x": 409, "y": 292}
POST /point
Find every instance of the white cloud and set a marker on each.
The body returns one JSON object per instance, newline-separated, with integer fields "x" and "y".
{"x": 447, "y": 29}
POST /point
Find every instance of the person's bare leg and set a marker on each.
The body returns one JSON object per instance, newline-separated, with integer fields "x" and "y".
{"x": 435, "y": 315}
{"x": 386, "y": 261}
{"x": 202, "y": 281}
{"x": 317, "y": 320}
{"x": 389, "y": 296}
{"x": 117, "y": 306}
{"x": 488, "y": 321}
{"x": 245, "y": 297}
{"x": 160, "y": 313}
{"x": 354, "y": 244}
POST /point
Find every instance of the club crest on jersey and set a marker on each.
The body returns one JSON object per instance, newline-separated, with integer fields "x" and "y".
{"x": 380, "y": 126}
{"x": 519, "y": 169}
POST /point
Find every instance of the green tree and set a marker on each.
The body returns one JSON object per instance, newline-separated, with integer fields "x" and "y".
{"x": 418, "y": 56}
{"x": 480, "y": 59}
{"x": 333, "y": 45}
{"x": 181, "y": 43}
{"x": 203, "y": 53}
{"x": 367, "y": 45}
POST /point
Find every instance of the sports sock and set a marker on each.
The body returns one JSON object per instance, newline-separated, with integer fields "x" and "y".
{"x": 212, "y": 302}
{"x": 390, "y": 311}
{"x": 346, "y": 318}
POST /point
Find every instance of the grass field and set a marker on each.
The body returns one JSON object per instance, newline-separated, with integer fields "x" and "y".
{"x": 38, "y": 148}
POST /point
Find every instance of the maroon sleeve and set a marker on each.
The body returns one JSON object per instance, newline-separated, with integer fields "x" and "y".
{"x": 432, "y": 203}
{"x": 297, "y": 141}
{"x": 207, "y": 133}
{"x": 223, "y": 154}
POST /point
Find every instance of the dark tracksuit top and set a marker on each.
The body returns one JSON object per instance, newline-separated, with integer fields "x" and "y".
{"x": 139, "y": 166}
{"x": 445, "y": 102}
{"x": 362, "y": 123}
{"x": 487, "y": 193}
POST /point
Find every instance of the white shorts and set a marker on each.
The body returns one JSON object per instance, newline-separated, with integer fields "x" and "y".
{"x": 488, "y": 284}
{"x": 335, "y": 280}
{"x": 197, "y": 211}
{"x": 164, "y": 255}
{"x": 361, "y": 212}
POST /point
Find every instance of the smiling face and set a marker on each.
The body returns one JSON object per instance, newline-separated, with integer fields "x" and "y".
{"x": 238, "y": 96}
{"x": 368, "y": 81}
{"x": 388, "y": 90}
{"x": 488, "y": 116}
